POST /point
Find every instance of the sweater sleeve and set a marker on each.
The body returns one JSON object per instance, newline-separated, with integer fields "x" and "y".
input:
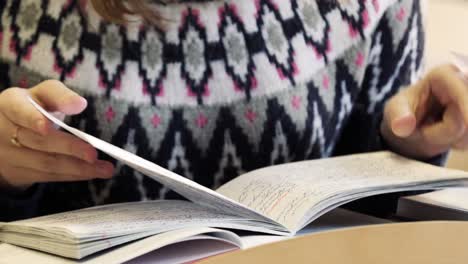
{"x": 394, "y": 62}
{"x": 20, "y": 205}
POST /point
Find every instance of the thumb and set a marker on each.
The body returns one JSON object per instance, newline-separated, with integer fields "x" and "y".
{"x": 399, "y": 116}
{"x": 55, "y": 96}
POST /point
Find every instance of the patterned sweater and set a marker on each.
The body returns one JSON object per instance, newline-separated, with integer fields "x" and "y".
{"x": 225, "y": 88}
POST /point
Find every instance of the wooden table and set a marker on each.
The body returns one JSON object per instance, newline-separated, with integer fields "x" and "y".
{"x": 416, "y": 242}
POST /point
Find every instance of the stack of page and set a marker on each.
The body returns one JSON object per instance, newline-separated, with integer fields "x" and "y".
{"x": 187, "y": 245}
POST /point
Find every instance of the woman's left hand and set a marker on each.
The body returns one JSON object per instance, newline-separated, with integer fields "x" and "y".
{"x": 430, "y": 117}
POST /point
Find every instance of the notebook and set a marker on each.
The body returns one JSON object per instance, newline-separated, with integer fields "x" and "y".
{"x": 277, "y": 200}
{"x": 154, "y": 249}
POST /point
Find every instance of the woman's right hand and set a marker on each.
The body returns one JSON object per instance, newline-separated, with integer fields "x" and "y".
{"x": 44, "y": 154}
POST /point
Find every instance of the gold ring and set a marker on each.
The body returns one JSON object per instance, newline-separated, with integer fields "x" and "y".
{"x": 14, "y": 139}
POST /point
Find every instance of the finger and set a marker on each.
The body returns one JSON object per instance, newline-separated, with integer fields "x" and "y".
{"x": 447, "y": 86}
{"x": 15, "y": 106}
{"x": 55, "y": 96}
{"x": 447, "y": 131}
{"x": 18, "y": 176}
{"x": 399, "y": 115}
{"x": 57, "y": 142}
{"x": 7, "y": 130}
{"x": 55, "y": 163}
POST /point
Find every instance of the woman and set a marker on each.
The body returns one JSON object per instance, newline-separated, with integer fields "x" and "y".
{"x": 209, "y": 89}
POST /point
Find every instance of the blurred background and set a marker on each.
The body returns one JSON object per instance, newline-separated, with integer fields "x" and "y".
{"x": 447, "y": 30}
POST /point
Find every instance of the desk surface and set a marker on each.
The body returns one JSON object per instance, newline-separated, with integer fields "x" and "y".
{"x": 416, "y": 242}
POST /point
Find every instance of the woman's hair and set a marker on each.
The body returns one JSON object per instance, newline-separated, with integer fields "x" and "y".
{"x": 117, "y": 11}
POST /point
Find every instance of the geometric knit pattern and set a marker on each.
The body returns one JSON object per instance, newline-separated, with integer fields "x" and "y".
{"x": 226, "y": 87}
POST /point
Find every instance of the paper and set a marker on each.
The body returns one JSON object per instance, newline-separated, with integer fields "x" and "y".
{"x": 287, "y": 193}
{"x": 14, "y": 254}
{"x": 454, "y": 198}
{"x": 97, "y": 223}
{"x": 336, "y": 219}
{"x": 218, "y": 240}
{"x": 195, "y": 243}
{"x": 196, "y": 248}
{"x": 83, "y": 232}
{"x": 185, "y": 187}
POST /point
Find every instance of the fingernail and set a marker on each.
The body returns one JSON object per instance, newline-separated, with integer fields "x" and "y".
{"x": 404, "y": 126}
{"x": 76, "y": 98}
{"x": 105, "y": 169}
{"x": 83, "y": 100}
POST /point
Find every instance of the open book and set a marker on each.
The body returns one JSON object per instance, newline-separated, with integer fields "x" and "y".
{"x": 278, "y": 200}
{"x": 187, "y": 244}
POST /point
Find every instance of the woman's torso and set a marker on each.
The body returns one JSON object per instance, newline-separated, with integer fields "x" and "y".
{"x": 226, "y": 88}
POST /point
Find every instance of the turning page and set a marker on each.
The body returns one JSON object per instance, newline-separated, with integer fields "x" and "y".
{"x": 185, "y": 187}
{"x": 296, "y": 193}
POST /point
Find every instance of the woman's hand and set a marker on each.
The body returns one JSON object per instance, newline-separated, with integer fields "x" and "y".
{"x": 43, "y": 154}
{"x": 429, "y": 117}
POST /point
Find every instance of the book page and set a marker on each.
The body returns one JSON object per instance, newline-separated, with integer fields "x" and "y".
{"x": 188, "y": 250}
{"x": 14, "y": 254}
{"x": 336, "y": 219}
{"x": 77, "y": 234}
{"x": 185, "y": 187}
{"x": 160, "y": 245}
{"x": 286, "y": 193}
{"x": 217, "y": 241}
{"x": 108, "y": 221}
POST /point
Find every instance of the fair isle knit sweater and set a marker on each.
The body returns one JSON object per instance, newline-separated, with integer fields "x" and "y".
{"x": 227, "y": 86}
